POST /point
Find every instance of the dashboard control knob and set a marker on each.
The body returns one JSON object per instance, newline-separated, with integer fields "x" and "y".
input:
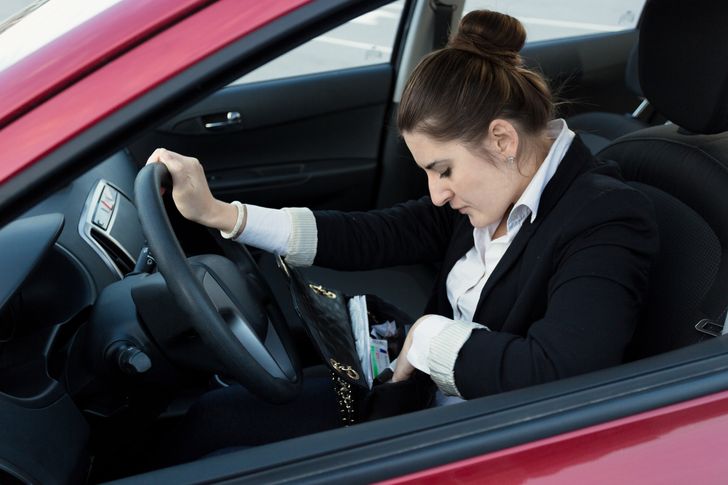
{"x": 131, "y": 359}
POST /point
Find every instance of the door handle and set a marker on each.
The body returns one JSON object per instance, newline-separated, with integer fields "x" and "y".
{"x": 231, "y": 118}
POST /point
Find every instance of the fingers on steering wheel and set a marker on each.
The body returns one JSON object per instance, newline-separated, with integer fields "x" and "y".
{"x": 170, "y": 159}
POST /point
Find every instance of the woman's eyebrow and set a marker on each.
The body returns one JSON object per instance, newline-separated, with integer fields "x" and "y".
{"x": 432, "y": 164}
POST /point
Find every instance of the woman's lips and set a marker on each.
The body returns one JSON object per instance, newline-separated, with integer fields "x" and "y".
{"x": 460, "y": 209}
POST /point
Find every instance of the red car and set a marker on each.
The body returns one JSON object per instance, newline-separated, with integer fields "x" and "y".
{"x": 93, "y": 363}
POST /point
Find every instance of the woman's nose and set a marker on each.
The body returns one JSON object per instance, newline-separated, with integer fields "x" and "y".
{"x": 439, "y": 193}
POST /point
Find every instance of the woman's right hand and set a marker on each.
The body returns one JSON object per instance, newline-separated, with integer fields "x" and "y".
{"x": 191, "y": 194}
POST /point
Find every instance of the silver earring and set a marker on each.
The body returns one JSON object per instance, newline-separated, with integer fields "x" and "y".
{"x": 511, "y": 159}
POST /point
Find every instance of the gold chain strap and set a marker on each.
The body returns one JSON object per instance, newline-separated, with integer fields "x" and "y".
{"x": 345, "y": 399}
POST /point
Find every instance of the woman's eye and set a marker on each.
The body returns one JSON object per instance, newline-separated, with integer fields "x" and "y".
{"x": 445, "y": 173}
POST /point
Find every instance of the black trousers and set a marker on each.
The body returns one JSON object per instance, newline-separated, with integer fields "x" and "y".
{"x": 232, "y": 417}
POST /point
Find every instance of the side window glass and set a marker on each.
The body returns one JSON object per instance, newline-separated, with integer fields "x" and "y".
{"x": 558, "y": 19}
{"x": 365, "y": 40}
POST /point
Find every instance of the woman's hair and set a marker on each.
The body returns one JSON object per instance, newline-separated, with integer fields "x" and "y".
{"x": 454, "y": 93}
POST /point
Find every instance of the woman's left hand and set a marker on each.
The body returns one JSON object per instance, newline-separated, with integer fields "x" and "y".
{"x": 404, "y": 369}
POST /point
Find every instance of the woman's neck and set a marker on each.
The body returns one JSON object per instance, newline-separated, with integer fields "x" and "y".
{"x": 533, "y": 156}
{"x": 535, "y": 153}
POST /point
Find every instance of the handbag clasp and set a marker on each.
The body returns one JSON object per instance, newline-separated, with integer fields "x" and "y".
{"x": 345, "y": 369}
{"x": 322, "y": 291}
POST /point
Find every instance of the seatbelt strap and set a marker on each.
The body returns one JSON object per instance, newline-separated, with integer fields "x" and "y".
{"x": 443, "y": 21}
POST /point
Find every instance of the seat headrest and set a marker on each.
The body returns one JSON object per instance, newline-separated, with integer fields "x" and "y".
{"x": 683, "y": 62}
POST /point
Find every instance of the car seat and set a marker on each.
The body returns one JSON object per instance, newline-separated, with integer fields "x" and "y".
{"x": 683, "y": 167}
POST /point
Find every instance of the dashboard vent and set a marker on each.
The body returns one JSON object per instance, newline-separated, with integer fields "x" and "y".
{"x": 117, "y": 255}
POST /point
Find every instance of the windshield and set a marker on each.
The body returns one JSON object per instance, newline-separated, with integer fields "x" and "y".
{"x": 28, "y": 25}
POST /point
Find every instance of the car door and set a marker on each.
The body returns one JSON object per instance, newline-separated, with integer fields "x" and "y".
{"x": 305, "y": 129}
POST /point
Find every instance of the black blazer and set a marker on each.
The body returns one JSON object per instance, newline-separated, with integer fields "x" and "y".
{"x": 563, "y": 300}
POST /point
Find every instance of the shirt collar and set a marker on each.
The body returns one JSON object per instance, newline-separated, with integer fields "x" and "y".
{"x": 528, "y": 203}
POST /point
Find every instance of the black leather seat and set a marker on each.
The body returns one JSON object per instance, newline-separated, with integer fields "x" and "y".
{"x": 683, "y": 168}
{"x": 599, "y": 128}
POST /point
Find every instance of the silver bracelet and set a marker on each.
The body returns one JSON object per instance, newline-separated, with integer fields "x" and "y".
{"x": 238, "y": 229}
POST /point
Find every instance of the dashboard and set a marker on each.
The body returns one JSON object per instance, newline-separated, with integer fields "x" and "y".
{"x": 58, "y": 259}
{"x": 61, "y": 254}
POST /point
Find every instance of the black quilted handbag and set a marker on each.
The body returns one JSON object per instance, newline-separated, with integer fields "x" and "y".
{"x": 326, "y": 318}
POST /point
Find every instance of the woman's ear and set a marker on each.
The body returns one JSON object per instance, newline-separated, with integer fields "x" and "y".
{"x": 504, "y": 137}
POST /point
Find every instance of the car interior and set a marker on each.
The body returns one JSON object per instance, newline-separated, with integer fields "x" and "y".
{"x": 97, "y": 356}
{"x": 599, "y": 128}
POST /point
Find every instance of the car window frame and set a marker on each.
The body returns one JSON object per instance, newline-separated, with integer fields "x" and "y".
{"x": 392, "y": 61}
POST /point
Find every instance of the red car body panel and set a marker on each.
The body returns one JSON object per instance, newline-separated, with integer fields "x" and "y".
{"x": 103, "y": 65}
{"x": 84, "y": 48}
{"x": 120, "y": 81}
{"x": 682, "y": 443}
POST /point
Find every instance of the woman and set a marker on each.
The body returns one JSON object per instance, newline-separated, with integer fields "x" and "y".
{"x": 545, "y": 252}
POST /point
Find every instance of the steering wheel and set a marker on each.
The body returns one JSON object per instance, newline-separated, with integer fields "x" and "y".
{"x": 235, "y": 314}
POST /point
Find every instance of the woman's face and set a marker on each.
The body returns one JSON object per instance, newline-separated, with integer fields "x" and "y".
{"x": 479, "y": 185}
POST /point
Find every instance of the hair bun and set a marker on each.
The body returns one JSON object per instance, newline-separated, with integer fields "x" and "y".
{"x": 492, "y": 35}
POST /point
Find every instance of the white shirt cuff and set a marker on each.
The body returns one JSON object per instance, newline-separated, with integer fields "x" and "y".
{"x": 289, "y": 232}
{"x": 444, "y": 350}
{"x": 425, "y": 331}
{"x": 436, "y": 343}
{"x": 267, "y": 229}
{"x": 303, "y": 239}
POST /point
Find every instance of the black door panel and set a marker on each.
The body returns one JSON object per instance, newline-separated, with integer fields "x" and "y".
{"x": 587, "y": 71}
{"x": 344, "y": 184}
{"x": 310, "y": 140}
{"x": 292, "y": 98}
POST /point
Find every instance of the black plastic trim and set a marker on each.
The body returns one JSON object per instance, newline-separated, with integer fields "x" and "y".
{"x": 391, "y": 144}
{"x": 405, "y": 22}
{"x": 26, "y": 242}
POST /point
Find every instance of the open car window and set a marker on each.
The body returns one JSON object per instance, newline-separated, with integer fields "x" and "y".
{"x": 565, "y": 18}
{"x": 363, "y": 41}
